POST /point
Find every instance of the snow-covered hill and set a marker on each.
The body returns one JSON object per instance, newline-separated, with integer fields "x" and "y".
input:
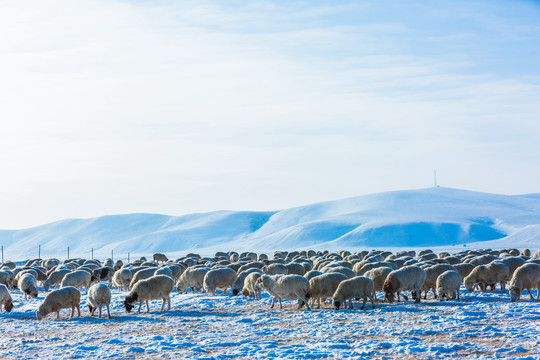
{"x": 434, "y": 217}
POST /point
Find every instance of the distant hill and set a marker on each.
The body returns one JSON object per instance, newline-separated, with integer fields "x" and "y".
{"x": 434, "y": 217}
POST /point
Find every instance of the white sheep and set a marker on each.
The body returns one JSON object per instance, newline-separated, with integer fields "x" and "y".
{"x": 5, "y": 299}
{"x": 218, "y": 279}
{"x": 295, "y": 268}
{"x": 478, "y": 276}
{"x": 285, "y": 287}
{"x": 28, "y": 285}
{"x": 378, "y": 275}
{"x": 6, "y": 278}
{"x": 154, "y": 288}
{"x": 192, "y": 279}
{"x": 357, "y": 287}
{"x": 448, "y": 284}
{"x": 65, "y": 298}
{"x": 432, "y": 273}
{"x": 312, "y": 273}
{"x": 164, "y": 271}
{"x": 408, "y": 278}
{"x": 77, "y": 279}
{"x": 349, "y": 273}
{"x": 238, "y": 284}
{"x": 324, "y": 286}
{"x": 142, "y": 274}
{"x": 122, "y": 278}
{"x": 98, "y": 295}
{"x": 109, "y": 262}
{"x": 526, "y": 276}
{"x": 55, "y": 278}
{"x": 498, "y": 273}
{"x": 250, "y": 285}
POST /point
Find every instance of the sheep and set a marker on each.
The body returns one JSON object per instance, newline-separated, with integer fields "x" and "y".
{"x": 276, "y": 269}
{"x": 537, "y": 254}
{"x": 513, "y": 262}
{"x": 55, "y": 278}
{"x": 295, "y": 268}
{"x": 238, "y": 284}
{"x": 249, "y": 265}
{"x": 118, "y": 265}
{"x": 141, "y": 274}
{"x": 176, "y": 271}
{"x": 164, "y": 271}
{"x": 285, "y": 287}
{"x": 104, "y": 273}
{"x": 378, "y": 275}
{"x": 218, "y": 279}
{"x": 77, "y": 279}
{"x": 340, "y": 270}
{"x": 21, "y": 272}
{"x": 27, "y": 284}
{"x": 250, "y": 289}
{"x": 527, "y": 277}
{"x": 478, "y": 276}
{"x": 98, "y": 295}
{"x": 5, "y": 299}
{"x": 153, "y": 288}
{"x": 464, "y": 269}
{"x": 312, "y": 273}
{"x": 448, "y": 284}
{"x": 6, "y": 278}
{"x": 160, "y": 257}
{"x": 498, "y": 273}
{"x": 432, "y": 273}
{"x": 191, "y": 278}
{"x": 357, "y": 287}
{"x": 122, "y": 278}
{"x": 407, "y": 278}
{"x": 324, "y": 286}
{"x": 64, "y": 298}
{"x": 11, "y": 265}
{"x": 108, "y": 263}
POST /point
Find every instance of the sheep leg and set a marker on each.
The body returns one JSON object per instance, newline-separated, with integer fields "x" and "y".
{"x": 407, "y": 298}
{"x": 273, "y": 299}
{"x": 78, "y": 310}
{"x": 147, "y": 306}
{"x": 100, "y": 310}
{"x": 162, "y": 305}
{"x": 372, "y": 302}
{"x": 530, "y": 293}
{"x": 364, "y": 299}
{"x": 108, "y": 311}
{"x": 280, "y": 305}
{"x": 58, "y": 315}
{"x": 457, "y": 292}
{"x": 140, "y": 305}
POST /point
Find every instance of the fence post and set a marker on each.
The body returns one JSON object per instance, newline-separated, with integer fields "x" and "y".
{"x": 3, "y": 255}
{"x": 68, "y": 252}
{"x": 92, "y": 253}
{"x": 112, "y": 255}
{"x": 39, "y": 251}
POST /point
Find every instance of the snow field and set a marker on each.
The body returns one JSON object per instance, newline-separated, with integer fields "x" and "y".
{"x": 480, "y": 325}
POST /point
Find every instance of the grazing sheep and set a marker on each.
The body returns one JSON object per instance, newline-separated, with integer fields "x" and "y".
{"x": 164, "y": 271}
{"x": 64, "y": 298}
{"x": 21, "y": 272}
{"x": 218, "y": 279}
{"x": 176, "y": 271}
{"x": 27, "y": 284}
{"x": 77, "y": 279}
{"x": 432, "y": 273}
{"x": 55, "y": 278}
{"x": 104, "y": 273}
{"x": 5, "y": 299}
{"x": 378, "y": 275}
{"x": 141, "y": 274}
{"x": 98, "y": 295}
{"x": 537, "y": 254}
{"x": 250, "y": 285}
{"x": 154, "y": 288}
{"x": 478, "y": 276}
{"x": 122, "y": 278}
{"x": 358, "y": 287}
{"x": 324, "y": 286}
{"x": 160, "y": 257}
{"x": 192, "y": 279}
{"x": 285, "y": 287}
{"x": 9, "y": 265}
{"x": 513, "y": 262}
{"x": 238, "y": 284}
{"x": 118, "y": 265}
{"x": 527, "y": 277}
{"x": 250, "y": 265}
{"x": 407, "y": 278}
{"x": 340, "y": 270}
{"x": 448, "y": 284}
{"x": 275, "y": 269}
{"x": 498, "y": 273}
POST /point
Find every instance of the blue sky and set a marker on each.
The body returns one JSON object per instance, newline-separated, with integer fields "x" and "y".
{"x": 187, "y": 106}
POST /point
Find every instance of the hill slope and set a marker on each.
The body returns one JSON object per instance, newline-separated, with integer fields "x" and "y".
{"x": 426, "y": 217}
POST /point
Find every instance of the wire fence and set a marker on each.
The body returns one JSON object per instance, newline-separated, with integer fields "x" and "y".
{"x": 41, "y": 252}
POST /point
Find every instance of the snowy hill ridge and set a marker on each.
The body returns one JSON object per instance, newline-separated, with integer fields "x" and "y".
{"x": 434, "y": 217}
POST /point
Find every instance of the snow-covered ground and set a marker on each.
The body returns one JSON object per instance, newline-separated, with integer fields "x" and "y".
{"x": 480, "y": 325}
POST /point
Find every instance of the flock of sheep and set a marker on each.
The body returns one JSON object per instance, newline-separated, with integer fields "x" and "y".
{"x": 309, "y": 276}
